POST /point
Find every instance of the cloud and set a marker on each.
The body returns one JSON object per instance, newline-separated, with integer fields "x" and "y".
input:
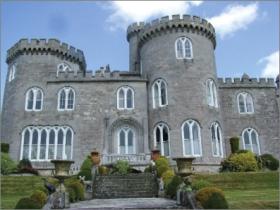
{"x": 234, "y": 18}
{"x": 271, "y": 68}
{"x": 126, "y": 12}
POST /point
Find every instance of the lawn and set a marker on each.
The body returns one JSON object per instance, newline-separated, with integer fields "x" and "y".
{"x": 254, "y": 190}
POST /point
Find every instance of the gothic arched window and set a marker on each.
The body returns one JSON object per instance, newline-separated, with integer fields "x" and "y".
{"x": 125, "y": 98}
{"x": 126, "y": 141}
{"x": 63, "y": 67}
{"x": 191, "y": 138}
{"x": 34, "y": 99}
{"x": 245, "y": 103}
{"x": 183, "y": 48}
{"x": 159, "y": 92}
{"x": 250, "y": 140}
{"x": 66, "y": 99}
{"x": 216, "y": 137}
{"x": 161, "y": 139}
{"x": 211, "y": 91}
{"x": 12, "y": 72}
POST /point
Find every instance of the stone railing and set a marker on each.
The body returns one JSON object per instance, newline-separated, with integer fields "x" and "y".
{"x": 133, "y": 159}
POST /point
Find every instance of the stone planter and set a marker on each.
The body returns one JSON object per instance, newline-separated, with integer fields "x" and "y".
{"x": 155, "y": 154}
{"x": 62, "y": 167}
{"x": 184, "y": 165}
{"x": 95, "y": 158}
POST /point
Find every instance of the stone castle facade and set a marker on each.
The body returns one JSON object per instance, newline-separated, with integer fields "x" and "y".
{"x": 171, "y": 98}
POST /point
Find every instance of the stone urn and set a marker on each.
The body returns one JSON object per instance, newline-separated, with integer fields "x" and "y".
{"x": 155, "y": 154}
{"x": 95, "y": 158}
{"x": 62, "y": 168}
{"x": 184, "y": 165}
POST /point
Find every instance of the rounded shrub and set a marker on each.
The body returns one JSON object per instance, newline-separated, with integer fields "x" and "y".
{"x": 162, "y": 165}
{"x": 27, "y": 203}
{"x": 234, "y": 144}
{"x": 86, "y": 169}
{"x": 78, "y": 189}
{"x": 216, "y": 201}
{"x": 199, "y": 184}
{"x": 7, "y": 164}
{"x": 103, "y": 170}
{"x": 40, "y": 197}
{"x": 172, "y": 186}
{"x": 121, "y": 167}
{"x": 43, "y": 189}
{"x": 204, "y": 194}
{"x": 72, "y": 194}
{"x": 270, "y": 162}
{"x": 167, "y": 176}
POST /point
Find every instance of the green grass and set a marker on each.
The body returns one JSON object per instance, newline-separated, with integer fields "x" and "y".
{"x": 254, "y": 190}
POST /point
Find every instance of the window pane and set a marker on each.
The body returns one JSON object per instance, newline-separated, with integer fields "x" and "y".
{"x": 187, "y": 147}
{"x": 196, "y": 145}
{"x": 34, "y": 147}
{"x": 25, "y": 153}
{"x": 130, "y": 142}
{"x": 249, "y": 103}
{"x": 121, "y": 98}
{"x": 179, "y": 49}
{"x": 51, "y": 145}
{"x": 246, "y": 140}
{"x": 165, "y": 141}
{"x": 187, "y": 49}
{"x": 241, "y": 104}
{"x": 38, "y": 100}
{"x": 186, "y": 131}
{"x": 219, "y": 146}
{"x": 163, "y": 93}
{"x": 62, "y": 100}
{"x": 30, "y": 100}
{"x": 129, "y": 98}
{"x": 214, "y": 146}
{"x": 158, "y": 134}
{"x": 254, "y": 142}
{"x": 59, "y": 152}
{"x": 68, "y": 145}
{"x": 43, "y": 145}
{"x": 70, "y": 104}
{"x": 209, "y": 93}
{"x": 165, "y": 133}
{"x": 156, "y": 95}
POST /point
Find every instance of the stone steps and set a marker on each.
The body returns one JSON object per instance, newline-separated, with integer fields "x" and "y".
{"x": 125, "y": 186}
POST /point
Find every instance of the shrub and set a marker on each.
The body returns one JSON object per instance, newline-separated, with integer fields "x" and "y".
{"x": 242, "y": 151}
{"x": 162, "y": 165}
{"x": 72, "y": 194}
{"x": 270, "y": 162}
{"x": 204, "y": 194}
{"x": 7, "y": 164}
{"x": 172, "y": 186}
{"x": 43, "y": 189}
{"x": 5, "y": 147}
{"x": 39, "y": 197}
{"x": 199, "y": 184}
{"x": 148, "y": 169}
{"x": 86, "y": 169}
{"x": 234, "y": 144}
{"x": 240, "y": 162}
{"x": 121, "y": 167}
{"x": 216, "y": 201}
{"x": 78, "y": 189}
{"x": 103, "y": 170}
{"x": 27, "y": 203}
{"x": 167, "y": 176}
{"x": 25, "y": 166}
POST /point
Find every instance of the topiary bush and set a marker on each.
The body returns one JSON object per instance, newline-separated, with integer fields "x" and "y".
{"x": 121, "y": 167}
{"x": 7, "y": 164}
{"x": 216, "y": 201}
{"x": 203, "y": 195}
{"x": 199, "y": 184}
{"x": 78, "y": 189}
{"x": 234, "y": 144}
{"x": 5, "y": 147}
{"x": 39, "y": 197}
{"x": 27, "y": 203}
{"x": 162, "y": 165}
{"x": 103, "y": 170}
{"x": 86, "y": 169}
{"x": 269, "y": 162}
{"x": 25, "y": 166}
{"x": 167, "y": 176}
{"x": 172, "y": 186}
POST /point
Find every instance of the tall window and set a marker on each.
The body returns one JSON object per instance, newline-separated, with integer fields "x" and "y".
{"x": 211, "y": 93}
{"x": 126, "y": 144}
{"x": 245, "y": 103}
{"x": 191, "y": 138}
{"x": 159, "y": 91}
{"x": 47, "y": 143}
{"x": 183, "y": 48}
{"x": 63, "y": 67}
{"x": 66, "y": 99}
{"x": 216, "y": 137}
{"x": 34, "y": 99}
{"x": 161, "y": 139}
{"x": 250, "y": 139}
{"x": 125, "y": 98}
{"x": 12, "y": 72}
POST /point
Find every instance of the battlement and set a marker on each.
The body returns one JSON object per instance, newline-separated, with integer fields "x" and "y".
{"x": 246, "y": 82}
{"x": 46, "y": 46}
{"x": 187, "y": 22}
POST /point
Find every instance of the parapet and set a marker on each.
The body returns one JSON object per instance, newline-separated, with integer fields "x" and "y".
{"x": 46, "y": 46}
{"x": 190, "y": 23}
{"x": 246, "y": 82}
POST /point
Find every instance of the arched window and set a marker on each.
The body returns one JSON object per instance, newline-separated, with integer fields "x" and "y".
{"x": 66, "y": 99}
{"x": 63, "y": 67}
{"x": 12, "y": 72}
{"x": 159, "y": 92}
{"x": 34, "y": 99}
{"x": 183, "y": 48}
{"x": 161, "y": 139}
{"x": 126, "y": 144}
{"x": 191, "y": 138}
{"x": 47, "y": 143}
{"x": 216, "y": 137}
{"x": 250, "y": 139}
{"x": 211, "y": 91}
{"x": 125, "y": 98}
{"x": 245, "y": 103}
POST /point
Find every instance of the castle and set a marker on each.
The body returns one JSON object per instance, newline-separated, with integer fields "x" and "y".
{"x": 171, "y": 99}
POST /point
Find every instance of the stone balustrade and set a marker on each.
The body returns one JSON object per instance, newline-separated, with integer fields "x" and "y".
{"x": 133, "y": 159}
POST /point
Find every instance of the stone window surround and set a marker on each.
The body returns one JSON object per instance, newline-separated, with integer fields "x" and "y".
{"x": 126, "y": 130}
{"x": 211, "y": 93}
{"x": 183, "y": 39}
{"x": 12, "y": 72}
{"x": 244, "y": 96}
{"x": 35, "y": 91}
{"x": 215, "y": 142}
{"x": 250, "y": 131}
{"x": 63, "y": 67}
{"x": 160, "y": 126}
{"x": 125, "y": 90}
{"x": 67, "y": 92}
{"x": 159, "y": 83}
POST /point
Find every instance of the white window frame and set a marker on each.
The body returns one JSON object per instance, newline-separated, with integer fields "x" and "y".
{"x": 161, "y": 126}
{"x": 190, "y": 123}
{"x": 12, "y": 72}
{"x": 48, "y": 129}
{"x": 183, "y": 39}
{"x": 67, "y": 91}
{"x": 35, "y": 91}
{"x": 211, "y": 93}
{"x": 159, "y": 82}
{"x": 219, "y": 146}
{"x": 65, "y": 68}
{"x": 125, "y": 90}
{"x": 126, "y": 131}
{"x": 250, "y": 131}
{"x": 244, "y": 96}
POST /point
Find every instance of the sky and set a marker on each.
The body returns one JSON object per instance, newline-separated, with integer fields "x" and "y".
{"x": 247, "y": 31}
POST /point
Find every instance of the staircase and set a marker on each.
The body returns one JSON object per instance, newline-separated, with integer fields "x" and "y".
{"x": 143, "y": 185}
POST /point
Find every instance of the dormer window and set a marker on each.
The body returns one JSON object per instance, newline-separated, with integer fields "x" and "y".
{"x": 63, "y": 67}
{"x": 183, "y": 48}
{"x": 12, "y": 72}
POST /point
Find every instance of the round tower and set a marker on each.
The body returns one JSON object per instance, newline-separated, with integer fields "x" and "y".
{"x": 186, "y": 68}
